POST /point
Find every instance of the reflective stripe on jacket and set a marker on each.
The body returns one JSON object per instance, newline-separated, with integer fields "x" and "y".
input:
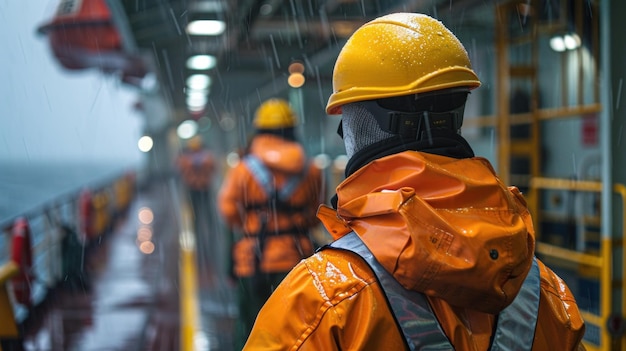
{"x": 515, "y": 328}
{"x": 443, "y": 227}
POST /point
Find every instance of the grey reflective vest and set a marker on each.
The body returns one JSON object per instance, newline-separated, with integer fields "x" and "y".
{"x": 515, "y": 328}
{"x": 264, "y": 177}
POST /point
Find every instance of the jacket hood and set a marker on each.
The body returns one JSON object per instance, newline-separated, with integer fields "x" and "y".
{"x": 278, "y": 153}
{"x": 441, "y": 226}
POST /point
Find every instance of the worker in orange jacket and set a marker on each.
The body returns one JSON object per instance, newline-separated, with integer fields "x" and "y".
{"x": 431, "y": 250}
{"x": 270, "y": 198}
{"x": 196, "y": 167}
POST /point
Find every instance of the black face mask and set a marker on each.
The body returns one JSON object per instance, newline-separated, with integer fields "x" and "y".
{"x": 416, "y": 116}
{"x": 285, "y": 133}
{"x": 442, "y": 142}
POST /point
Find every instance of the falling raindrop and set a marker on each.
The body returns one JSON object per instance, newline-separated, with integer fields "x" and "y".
{"x": 619, "y": 93}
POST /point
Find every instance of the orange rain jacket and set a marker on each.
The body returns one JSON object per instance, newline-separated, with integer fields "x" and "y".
{"x": 433, "y": 223}
{"x": 283, "y": 158}
{"x": 196, "y": 168}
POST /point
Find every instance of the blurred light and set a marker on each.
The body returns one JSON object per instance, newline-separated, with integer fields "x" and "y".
{"x": 227, "y": 123}
{"x": 206, "y": 27}
{"x": 145, "y": 143}
{"x": 560, "y": 43}
{"x": 187, "y": 129}
{"x": 321, "y": 161}
{"x": 572, "y": 41}
{"x": 266, "y": 9}
{"x": 144, "y": 233}
{"x": 201, "y": 341}
{"x": 232, "y": 159}
{"x": 198, "y": 81}
{"x": 196, "y": 100}
{"x": 206, "y": 6}
{"x": 557, "y": 44}
{"x": 340, "y": 162}
{"x": 201, "y": 62}
{"x": 196, "y": 94}
{"x": 145, "y": 215}
{"x": 296, "y": 67}
{"x": 189, "y": 90}
{"x": 204, "y": 123}
{"x": 296, "y": 80}
{"x": 187, "y": 240}
{"x": 196, "y": 109}
{"x": 149, "y": 83}
{"x": 344, "y": 29}
{"x": 146, "y": 247}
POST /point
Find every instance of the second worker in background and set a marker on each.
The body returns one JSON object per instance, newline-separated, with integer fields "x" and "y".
{"x": 270, "y": 200}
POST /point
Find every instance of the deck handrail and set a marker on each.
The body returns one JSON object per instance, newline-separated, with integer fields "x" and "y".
{"x": 603, "y": 261}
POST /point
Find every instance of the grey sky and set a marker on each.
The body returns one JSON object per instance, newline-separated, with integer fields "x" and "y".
{"x": 48, "y": 112}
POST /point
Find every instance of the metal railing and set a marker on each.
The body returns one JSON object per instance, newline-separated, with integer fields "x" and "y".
{"x": 603, "y": 261}
{"x": 8, "y": 327}
{"x": 49, "y": 225}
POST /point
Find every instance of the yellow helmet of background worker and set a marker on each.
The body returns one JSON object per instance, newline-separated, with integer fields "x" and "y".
{"x": 274, "y": 114}
{"x": 399, "y": 54}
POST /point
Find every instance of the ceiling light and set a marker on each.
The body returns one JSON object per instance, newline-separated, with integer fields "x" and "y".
{"x": 206, "y": 27}
{"x": 196, "y": 109}
{"x": 557, "y": 44}
{"x": 201, "y": 62}
{"x": 296, "y": 67}
{"x": 572, "y": 41}
{"x": 295, "y": 80}
{"x": 562, "y": 42}
{"x": 196, "y": 94}
{"x": 145, "y": 143}
{"x": 197, "y": 101}
{"x": 198, "y": 81}
{"x": 187, "y": 129}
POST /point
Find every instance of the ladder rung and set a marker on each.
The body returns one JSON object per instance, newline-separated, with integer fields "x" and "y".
{"x": 522, "y": 71}
{"x": 524, "y": 147}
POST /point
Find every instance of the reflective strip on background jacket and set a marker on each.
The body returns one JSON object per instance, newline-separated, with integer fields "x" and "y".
{"x": 515, "y": 328}
{"x": 265, "y": 179}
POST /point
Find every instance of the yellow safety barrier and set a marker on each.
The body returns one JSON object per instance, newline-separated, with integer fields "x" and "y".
{"x": 189, "y": 305}
{"x": 602, "y": 262}
{"x": 101, "y": 214}
{"x": 123, "y": 190}
{"x": 8, "y": 328}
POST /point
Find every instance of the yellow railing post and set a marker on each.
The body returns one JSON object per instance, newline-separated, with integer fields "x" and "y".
{"x": 604, "y": 262}
{"x": 8, "y": 327}
{"x": 621, "y": 190}
{"x": 189, "y": 304}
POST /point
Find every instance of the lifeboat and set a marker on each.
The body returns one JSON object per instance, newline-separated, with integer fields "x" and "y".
{"x": 82, "y": 35}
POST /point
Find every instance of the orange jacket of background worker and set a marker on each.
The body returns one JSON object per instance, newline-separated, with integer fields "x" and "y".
{"x": 431, "y": 250}
{"x": 196, "y": 165}
{"x": 243, "y": 201}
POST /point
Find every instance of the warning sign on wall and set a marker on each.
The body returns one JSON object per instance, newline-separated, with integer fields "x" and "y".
{"x": 590, "y": 130}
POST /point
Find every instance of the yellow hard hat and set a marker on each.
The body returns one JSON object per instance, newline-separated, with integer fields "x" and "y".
{"x": 274, "y": 114}
{"x": 399, "y": 54}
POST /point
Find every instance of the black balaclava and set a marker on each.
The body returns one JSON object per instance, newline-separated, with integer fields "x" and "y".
{"x": 365, "y": 141}
{"x": 285, "y": 133}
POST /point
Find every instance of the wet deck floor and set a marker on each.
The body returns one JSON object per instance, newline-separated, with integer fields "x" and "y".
{"x": 130, "y": 300}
